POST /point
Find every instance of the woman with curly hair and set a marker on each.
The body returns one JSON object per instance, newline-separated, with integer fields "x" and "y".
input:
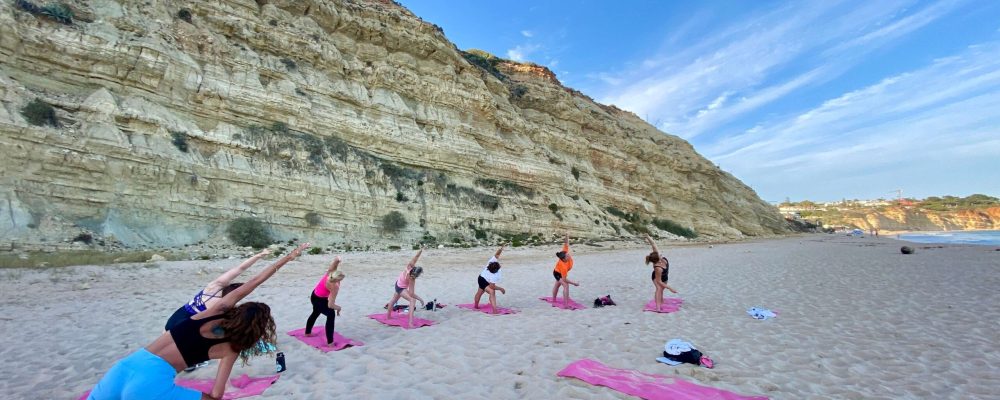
{"x": 213, "y": 292}
{"x": 225, "y": 331}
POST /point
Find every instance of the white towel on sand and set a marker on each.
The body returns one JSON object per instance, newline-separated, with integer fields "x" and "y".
{"x": 761, "y": 313}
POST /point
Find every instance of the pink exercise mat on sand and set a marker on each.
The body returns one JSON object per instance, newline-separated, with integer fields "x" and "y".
{"x": 646, "y": 386}
{"x": 670, "y": 304}
{"x": 560, "y": 304}
{"x": 486, "y": 308}
{"x": 244, "y": 386}
{"x": 318, "y": 340}
{"x": 401, "y": 320}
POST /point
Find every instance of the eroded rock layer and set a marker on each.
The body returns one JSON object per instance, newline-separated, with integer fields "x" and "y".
{"x": 172, "y": 118}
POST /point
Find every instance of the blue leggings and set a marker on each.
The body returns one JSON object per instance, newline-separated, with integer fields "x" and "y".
{"x": 141, "y": 375}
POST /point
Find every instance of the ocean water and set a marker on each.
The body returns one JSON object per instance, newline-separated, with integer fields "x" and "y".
{"x": 954, "y": 237}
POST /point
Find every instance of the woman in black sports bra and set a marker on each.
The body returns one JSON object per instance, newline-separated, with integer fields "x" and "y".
{"x": 225, "y": 331}
{"x": 661, "y": 269}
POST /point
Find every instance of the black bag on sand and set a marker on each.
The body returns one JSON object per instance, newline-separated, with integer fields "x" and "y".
{"x": 604, "y": 301}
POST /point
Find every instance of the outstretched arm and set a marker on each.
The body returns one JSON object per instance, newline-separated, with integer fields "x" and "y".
{"x": 413, "y": 262}
{"x": 500, "y": 250}
{"x": 222, "y": 375}
{"x": 651, "y": 243}
{"x": 566, "y": 242}
{"x": 334, "y": 265}
{"x": 228, "y": 276}
{"x": 236, "y": 295}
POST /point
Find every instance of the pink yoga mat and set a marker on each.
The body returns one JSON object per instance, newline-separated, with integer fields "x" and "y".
{"x": 559, "y": 304}
{"x": 400, "y": 320}
{"x": 244, "y": 386}
{"x": 646, "y": 386}
{"x": 670, "y": 304}
{"x": 486, "y": 308}
{"x": 318, "y": 340}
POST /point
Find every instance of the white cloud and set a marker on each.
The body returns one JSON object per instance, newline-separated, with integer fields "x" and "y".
{"x": 946, "y": 115}
{"x": 527, "y": 33}
{"x": 758, "y": 61}
{"x": 521, "y": 52}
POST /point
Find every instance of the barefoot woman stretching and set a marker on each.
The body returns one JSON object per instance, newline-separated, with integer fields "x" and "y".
{"x": 561, "y": 272}
{"x": 661, "y": 268}
{"x": 324, "y": 300}
{"x": 224, "y": 331}
{"x": 405, "y": 287}
{"x": 488, "y": 280}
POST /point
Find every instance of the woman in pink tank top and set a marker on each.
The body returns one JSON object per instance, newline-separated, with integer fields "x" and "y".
{"x": 324, "y": 300}
{"x": 405, "y": 287}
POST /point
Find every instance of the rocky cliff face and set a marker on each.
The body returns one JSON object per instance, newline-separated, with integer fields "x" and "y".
{"x": 908, "y": 219}
{"x": 172, "y": 118}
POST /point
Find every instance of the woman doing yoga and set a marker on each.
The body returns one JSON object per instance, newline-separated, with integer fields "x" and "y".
{"x": 661, "y": 268}
{"x": 225, "y": 331}
{"x": 324, "y": 300}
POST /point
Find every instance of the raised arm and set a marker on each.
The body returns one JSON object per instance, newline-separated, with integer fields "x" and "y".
{"x": 566, "y": 242}
{"x": 228, "y": 276}
{"x": 333, "y": 265}
{"x": 500, "y": 250}
{"x": 236, "y": 295}
{"x": 651, "y": 243}
{"x": 413, "y": 262}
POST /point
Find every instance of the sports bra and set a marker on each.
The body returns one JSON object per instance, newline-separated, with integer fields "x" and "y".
{"x": 197, "y": 304}
{"x": 191, "y": 344}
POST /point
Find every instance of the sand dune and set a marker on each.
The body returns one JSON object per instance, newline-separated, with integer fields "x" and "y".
{"x": 856, "y": 320}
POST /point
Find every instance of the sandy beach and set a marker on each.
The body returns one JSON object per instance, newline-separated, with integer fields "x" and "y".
{"x": 857, "y": 320}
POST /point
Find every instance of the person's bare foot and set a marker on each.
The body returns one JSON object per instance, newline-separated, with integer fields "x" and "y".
{"x": 309, "y": 334}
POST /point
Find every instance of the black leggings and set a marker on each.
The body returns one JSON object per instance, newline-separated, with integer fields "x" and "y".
{"x": 320, "y": 307}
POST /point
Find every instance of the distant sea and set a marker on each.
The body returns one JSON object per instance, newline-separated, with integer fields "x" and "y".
{"x": 954, "y": 237}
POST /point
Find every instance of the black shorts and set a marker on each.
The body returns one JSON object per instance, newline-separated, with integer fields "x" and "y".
{"x": 557, "y": 275}
{"x": 482, "y": 282}
{"x": 398, "y": 289}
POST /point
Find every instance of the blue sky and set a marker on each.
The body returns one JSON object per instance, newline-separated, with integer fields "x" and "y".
{"x": 817, "y": 100}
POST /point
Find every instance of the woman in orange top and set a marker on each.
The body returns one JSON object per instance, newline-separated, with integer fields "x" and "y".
{"x": 561, "y": 272}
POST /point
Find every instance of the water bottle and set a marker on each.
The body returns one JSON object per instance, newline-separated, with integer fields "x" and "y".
{"x": 280, "y": 367}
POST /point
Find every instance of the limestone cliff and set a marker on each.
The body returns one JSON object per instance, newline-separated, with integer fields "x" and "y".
{"x": 171, "y": 118}
{"x": 911, "y": 219}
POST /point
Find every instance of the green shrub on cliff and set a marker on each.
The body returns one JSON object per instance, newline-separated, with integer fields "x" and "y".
{"x": 40, "y": 113}
{"x": 393, "y": 222}
{"x": 59, "y": 12}
{"x": 184, "y": 15}
{"x": 675, "y": 228}
{"x": 179, "y": 139}
{"x": 313, "y": 218}
{"x": 485, "y": 61}
{"x": 247, "y": 231}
